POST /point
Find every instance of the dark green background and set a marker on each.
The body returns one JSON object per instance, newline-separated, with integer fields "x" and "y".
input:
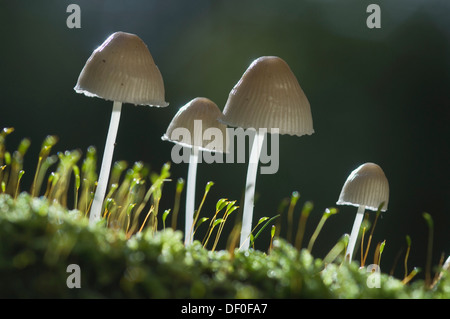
{"x": 378, "y": 95}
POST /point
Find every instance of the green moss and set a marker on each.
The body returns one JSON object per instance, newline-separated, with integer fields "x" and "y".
{"x": 39, "y": 240}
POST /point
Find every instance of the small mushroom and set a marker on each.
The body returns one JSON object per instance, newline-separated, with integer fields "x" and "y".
{"x": 268, "y": 98}
{"x": 193, "y": 127}
{"x": 121, "y": 70}
{"x": 366, "y": 188}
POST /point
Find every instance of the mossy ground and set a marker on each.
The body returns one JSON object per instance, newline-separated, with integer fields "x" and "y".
{"x": 39, "y": 240}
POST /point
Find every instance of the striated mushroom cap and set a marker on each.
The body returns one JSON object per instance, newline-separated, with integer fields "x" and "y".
{"x": 268, "y": 95}
{"x": 199, "y": 109}
{"x": 367, "y": 185}
{"x": 122, "y": 69}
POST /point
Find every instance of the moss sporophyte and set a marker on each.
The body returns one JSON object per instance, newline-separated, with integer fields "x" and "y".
{"x": 127, "y": 255}
{"x": 111, "y": 229}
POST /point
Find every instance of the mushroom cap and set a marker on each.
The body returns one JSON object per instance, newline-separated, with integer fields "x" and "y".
{"x": 207, "y": 111}
{"x": 269, "y": 96}
{"x": 367, "y": 185}
{"x": 122, "y": 69}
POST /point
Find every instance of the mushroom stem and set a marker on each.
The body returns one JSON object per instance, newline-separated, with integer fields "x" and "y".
{"x": 250, "y": 189}
{"x": 106, "y": 164}
{"x": 355, "y": 232}
{"x": 190, "y": 195}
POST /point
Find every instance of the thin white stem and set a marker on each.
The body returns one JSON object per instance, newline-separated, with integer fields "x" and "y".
{"x": 190, "y": 196}
{"x": 355, "y": 232}
{"x": 102, "y": 183}
{"x": 250, "y": 189}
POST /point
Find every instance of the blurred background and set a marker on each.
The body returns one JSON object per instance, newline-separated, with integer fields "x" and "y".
{"x": 376, "y": 95}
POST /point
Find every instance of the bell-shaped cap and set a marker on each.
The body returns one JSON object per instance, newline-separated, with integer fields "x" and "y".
{"x": 198, "y": 118}
{"x": 269, "y": 96}
{"x": 122, "y": 69}
{"x": 366, "y": 186}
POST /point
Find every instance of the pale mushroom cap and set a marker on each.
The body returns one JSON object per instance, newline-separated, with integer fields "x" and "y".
{"x": 122, "y": 69}
{"x": 204, "y": 110}
{"x": 268, "y": 96}
{"x": 367, "y": 185}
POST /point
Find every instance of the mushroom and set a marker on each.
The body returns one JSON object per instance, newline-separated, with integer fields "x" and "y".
{"x": 193, "y": 126}
{"x": 121, "y": 70}
{"x": 268, "y": 98}
{"x": 366, "y": 188}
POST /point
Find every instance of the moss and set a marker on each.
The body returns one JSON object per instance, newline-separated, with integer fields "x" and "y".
{"x": 39, "y": 240}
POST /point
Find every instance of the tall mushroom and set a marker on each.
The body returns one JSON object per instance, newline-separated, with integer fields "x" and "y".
{"x": 366, "y": 188}
{"x": 268, "y": 98}
{"x": 193, "y": 126}
{"x": 121, "y": 70}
